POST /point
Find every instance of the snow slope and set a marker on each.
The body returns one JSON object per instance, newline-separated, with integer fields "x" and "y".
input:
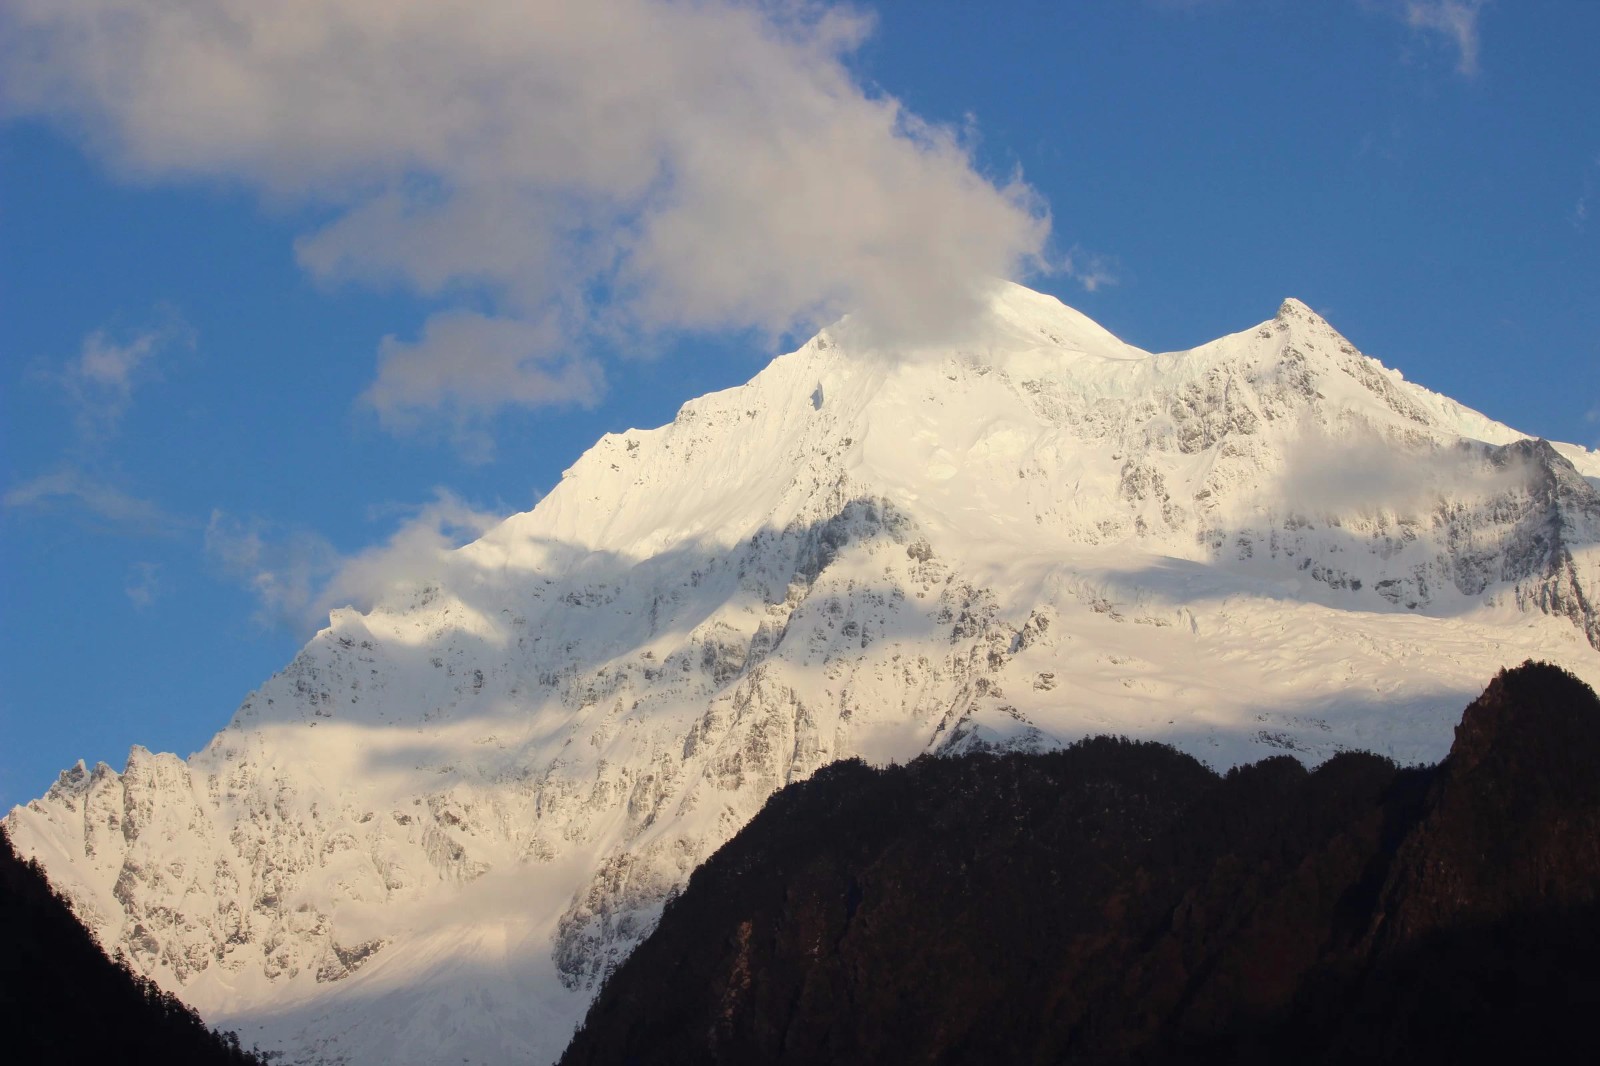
{"x": 431, "y": 834}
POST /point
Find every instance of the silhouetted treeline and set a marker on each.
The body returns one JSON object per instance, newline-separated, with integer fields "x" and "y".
{"x": 62, "y": 1000}
{"x": 1119, "y": 902}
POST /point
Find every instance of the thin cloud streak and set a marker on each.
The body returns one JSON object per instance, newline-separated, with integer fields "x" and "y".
{"x": 72, "y": 489}
{"x": 617, "y": 168}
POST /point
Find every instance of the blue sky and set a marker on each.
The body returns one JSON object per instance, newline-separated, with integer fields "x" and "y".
{"x": 268, "y": 325}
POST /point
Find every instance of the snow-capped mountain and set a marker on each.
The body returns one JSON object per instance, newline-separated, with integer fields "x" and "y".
{"x": 431, "y": 834}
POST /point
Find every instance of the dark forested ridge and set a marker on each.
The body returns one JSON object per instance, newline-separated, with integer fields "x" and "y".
{"x": 62, "y": 1000}
{"x": 1119, "y": 902}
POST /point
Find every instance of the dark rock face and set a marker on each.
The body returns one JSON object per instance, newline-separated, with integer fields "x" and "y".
{"x": 1120, "y": 902}
{"x": 62, "y": 1000}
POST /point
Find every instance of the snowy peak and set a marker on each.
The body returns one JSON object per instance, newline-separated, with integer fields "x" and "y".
{"x": 1032, "y": 317}
{"x": 1293, "y": 310}
{"x": 470, "y": 801}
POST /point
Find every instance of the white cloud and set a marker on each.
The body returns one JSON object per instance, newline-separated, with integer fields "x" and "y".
{"x": 298, "y": 576}
{"x": 101, "y": 380}
{"x": 420, "y": 550}
{"x": 630, "y": 166}
{"x": 1454, "y": 20}
{"x": 466, "y": 361}
{"x": 75, "y": 489}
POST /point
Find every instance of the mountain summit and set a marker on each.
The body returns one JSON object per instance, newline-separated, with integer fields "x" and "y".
{"x": 440, "y": 826}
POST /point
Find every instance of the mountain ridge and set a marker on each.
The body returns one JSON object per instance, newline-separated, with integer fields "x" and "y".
{"x": 1269, "y": 543}
{"x": 1116, "y": 901}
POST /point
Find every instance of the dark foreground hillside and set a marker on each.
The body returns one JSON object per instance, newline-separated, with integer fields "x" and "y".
{"x": 62, "y": 1000}
{"x": 1119, "y": 902}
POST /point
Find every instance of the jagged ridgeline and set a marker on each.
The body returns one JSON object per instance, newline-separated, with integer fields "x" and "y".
{"x": 62, "y": 1000}
{"x": 434, "y": 833}
{"x": 1120, "y": 902}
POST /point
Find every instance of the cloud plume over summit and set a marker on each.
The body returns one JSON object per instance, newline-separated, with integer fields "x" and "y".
{"x": 613, "y": 167}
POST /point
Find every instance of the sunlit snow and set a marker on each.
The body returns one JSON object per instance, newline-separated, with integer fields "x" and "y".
{"x": 429, "y": 836}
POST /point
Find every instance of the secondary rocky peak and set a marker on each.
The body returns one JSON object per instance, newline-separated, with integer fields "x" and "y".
{"x": 1512, "y": 819}
{"x": 1538, "y": 717}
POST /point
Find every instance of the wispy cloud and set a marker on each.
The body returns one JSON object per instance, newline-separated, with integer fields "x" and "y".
{"x": 1580, "y": 209}
{"x": 1453, "y": 21}
{"x": 1452, "y": 24}
{"x": 100, "y": 380}
{"x": 617, "y": 166}
{"x": 1089, "y": 269}
{"x": 284, "y": 568}
{"x": 1364, "y": 472}
{"x": 72, "y": 489}
{"x": 298, "y": 576}
{"x": 98, "y": 384}
{"x": 144, "y": 584}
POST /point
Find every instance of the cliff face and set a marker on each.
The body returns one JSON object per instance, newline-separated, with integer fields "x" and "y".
{"x": 1120, "y": 902}
{"x": 470, "y": 800}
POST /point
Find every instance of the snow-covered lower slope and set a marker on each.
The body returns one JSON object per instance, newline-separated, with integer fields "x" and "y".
{"x": 429, "y": 836}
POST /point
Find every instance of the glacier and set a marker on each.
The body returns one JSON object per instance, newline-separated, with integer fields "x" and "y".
{"x": 436, "y": 830}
